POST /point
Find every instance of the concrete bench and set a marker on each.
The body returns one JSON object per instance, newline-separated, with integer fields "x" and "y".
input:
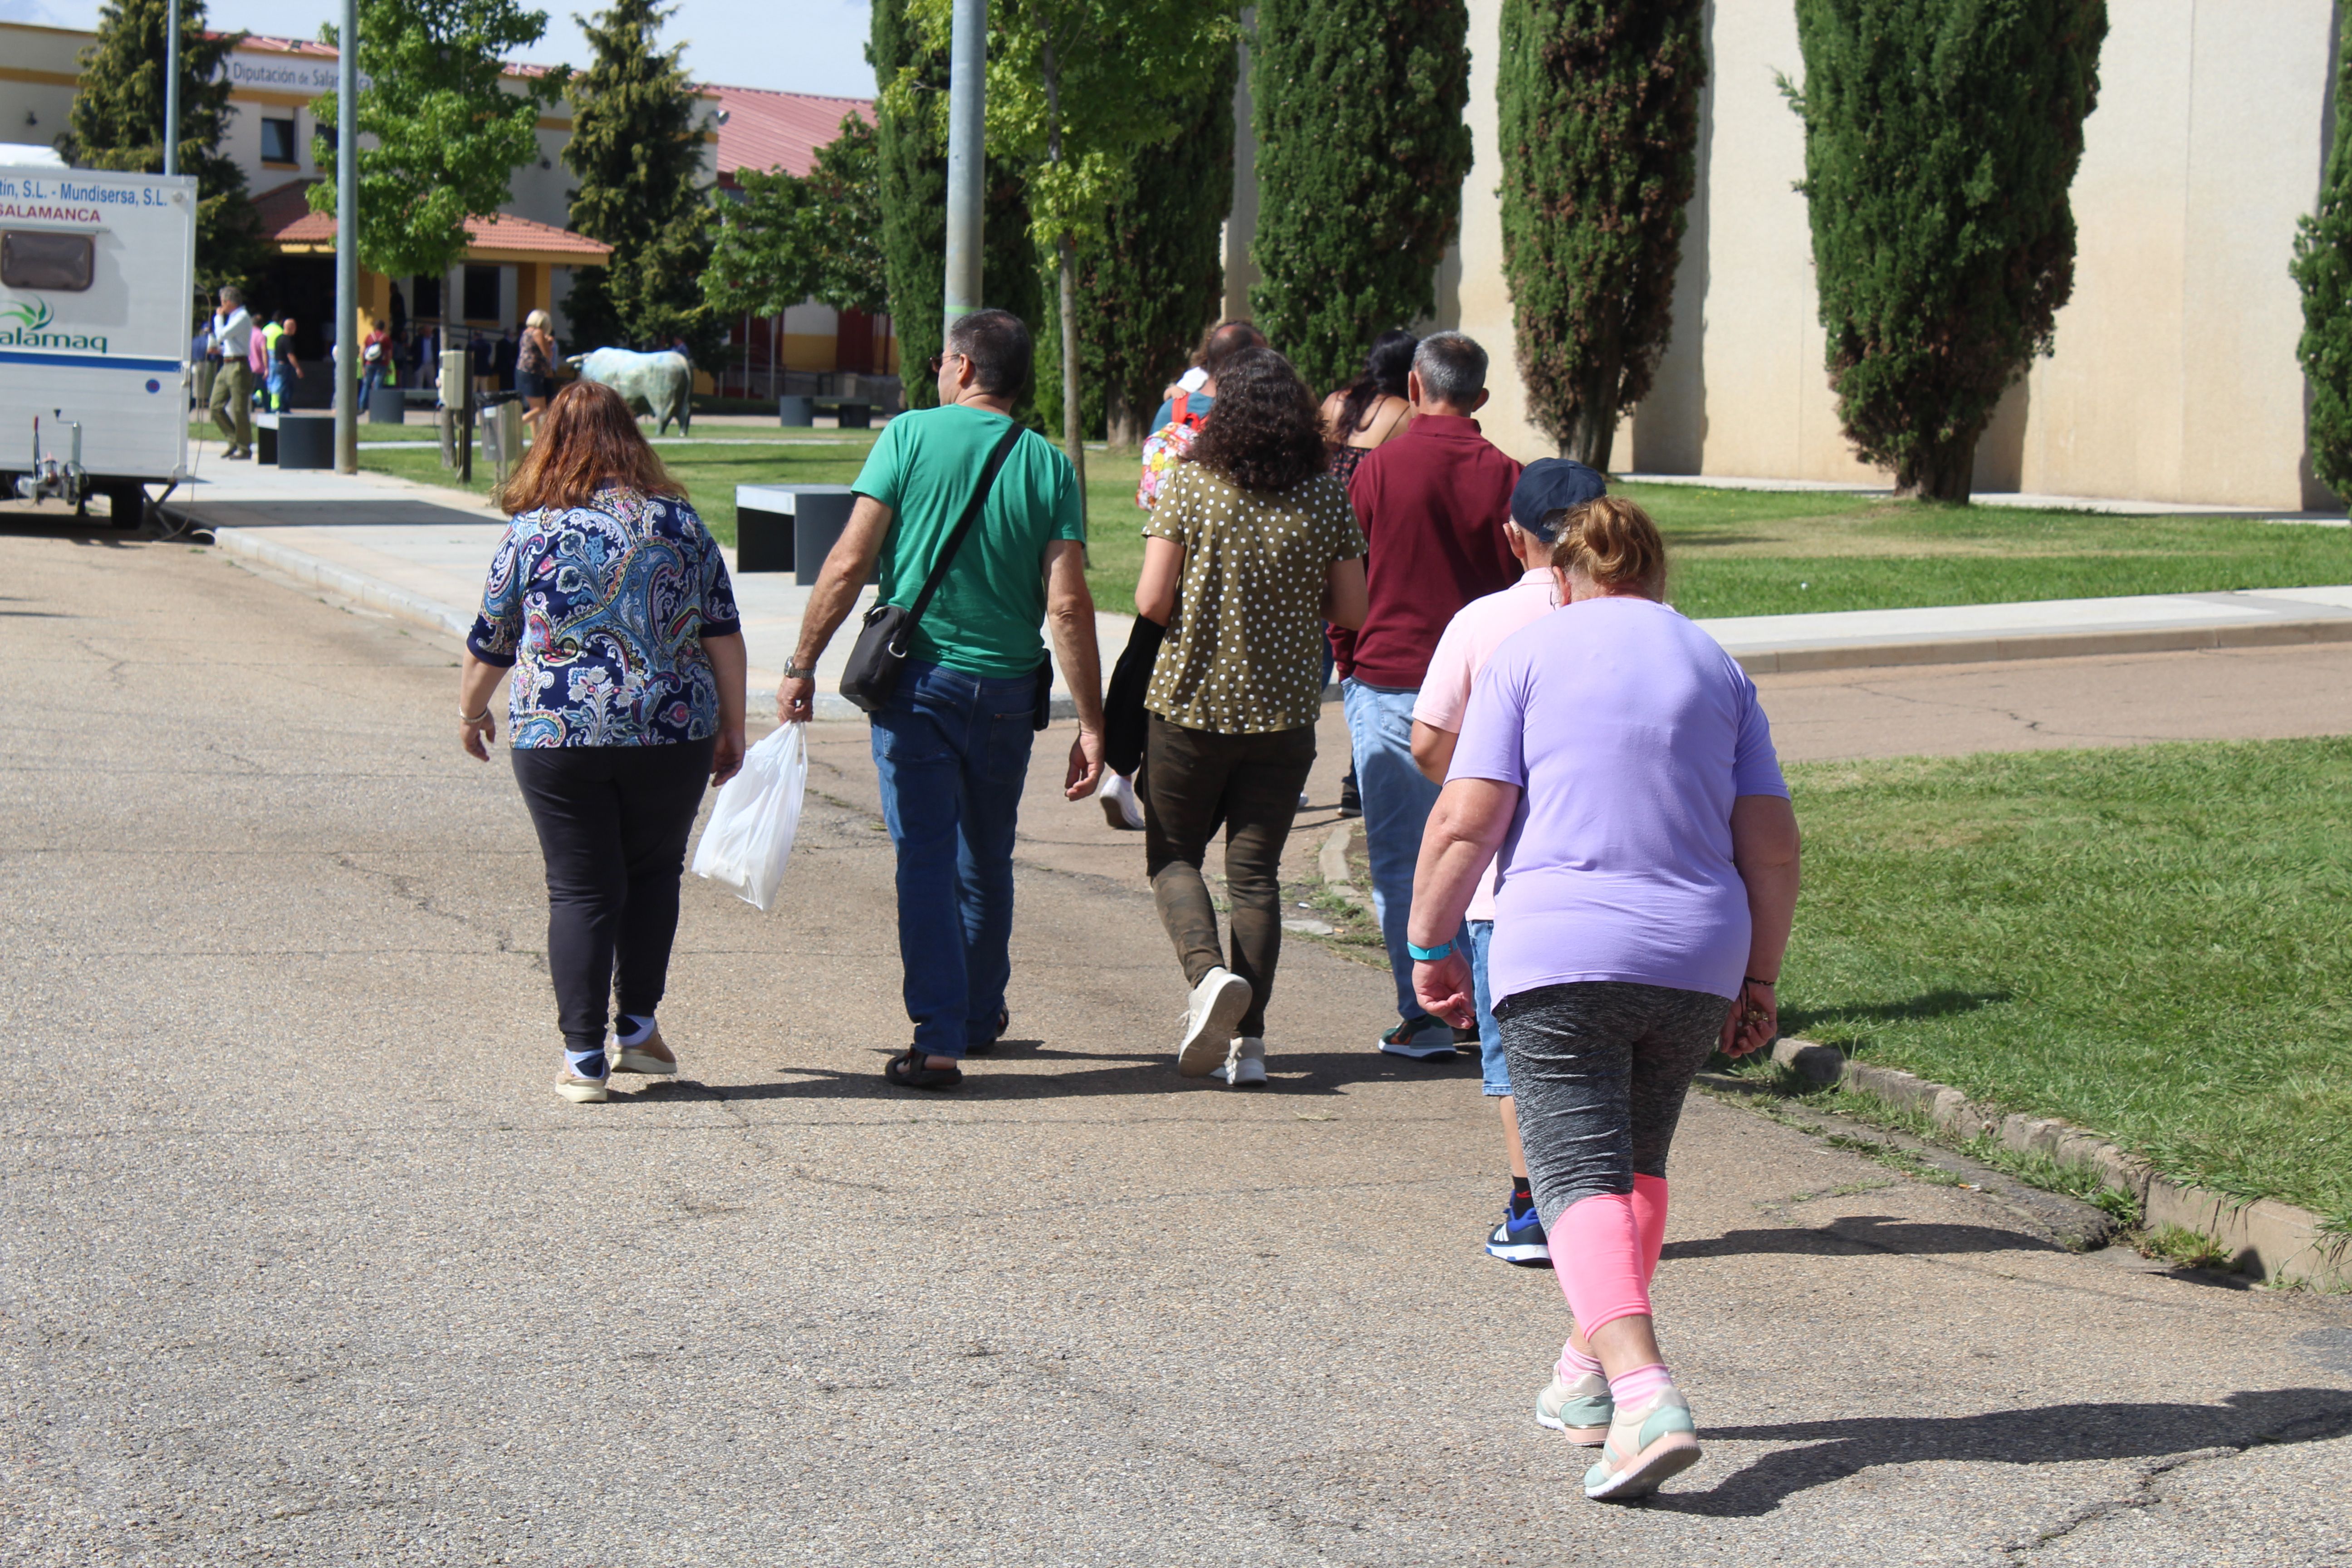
{"x": 789, "y": 528}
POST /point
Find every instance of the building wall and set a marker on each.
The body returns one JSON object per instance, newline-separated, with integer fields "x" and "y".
{"x": 2174, "y": 377}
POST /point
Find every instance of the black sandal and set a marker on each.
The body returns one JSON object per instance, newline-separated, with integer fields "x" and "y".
{"x": 906, "y": 1070}
{"x": 982, "y": 1047}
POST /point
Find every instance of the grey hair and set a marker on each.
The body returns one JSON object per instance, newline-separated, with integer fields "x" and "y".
{"x": 233, "y": 294}
{"x": 1452, "y": 367}
{"x": 997, "y": 343}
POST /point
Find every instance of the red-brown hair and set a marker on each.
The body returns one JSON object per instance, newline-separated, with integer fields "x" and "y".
{"x": 587, "y": 441}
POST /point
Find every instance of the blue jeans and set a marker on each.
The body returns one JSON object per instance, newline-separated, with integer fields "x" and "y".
{"x": 1494, "y": 1072}
{"x": 952, "y": 750}
{"x": 1397, "y": 799}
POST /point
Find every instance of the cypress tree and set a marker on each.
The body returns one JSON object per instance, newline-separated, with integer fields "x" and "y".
{"x": 913, "y": 170}
{"x": 637, "y": 153}
{"x": 1361, "y": 153}
{"x": 1597, "y": 105}
{"x": 2322, "y": 268}
{"x": 1941, "y": 138}
{"x": 116, "y": 123}
{"x": 1155, "y": 279}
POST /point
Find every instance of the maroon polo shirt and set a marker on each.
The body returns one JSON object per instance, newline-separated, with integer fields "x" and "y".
{"x": 1432, "y": 503}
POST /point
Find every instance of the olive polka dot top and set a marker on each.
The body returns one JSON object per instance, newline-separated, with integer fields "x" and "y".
{"x": 1243, "y": 653}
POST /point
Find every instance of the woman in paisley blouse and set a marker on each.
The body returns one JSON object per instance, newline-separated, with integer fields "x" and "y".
{"x": 611, "y": 603}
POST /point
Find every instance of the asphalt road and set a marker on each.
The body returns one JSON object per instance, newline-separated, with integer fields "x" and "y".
{"x": 301, "y": 1260}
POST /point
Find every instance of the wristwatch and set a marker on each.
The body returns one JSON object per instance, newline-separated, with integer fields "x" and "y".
{"x": 799, "y": 671}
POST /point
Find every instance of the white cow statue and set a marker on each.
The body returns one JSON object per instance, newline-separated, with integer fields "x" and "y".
{"x": 663, "y": 383}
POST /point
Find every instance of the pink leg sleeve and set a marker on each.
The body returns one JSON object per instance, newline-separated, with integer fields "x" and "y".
{"x": 1649, "y": 1214}
{"x": 1596, "y": 1249}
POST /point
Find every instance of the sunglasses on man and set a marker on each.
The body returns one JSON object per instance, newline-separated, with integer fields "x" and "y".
{"x": 939, "y": 362}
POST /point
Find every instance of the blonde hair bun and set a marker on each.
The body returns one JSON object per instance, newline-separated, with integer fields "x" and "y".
{"x": 1613, "y": 542}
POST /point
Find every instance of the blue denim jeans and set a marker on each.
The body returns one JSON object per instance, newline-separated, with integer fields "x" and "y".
{"x": 1397, "y": 799}
{"x": 1494, "y": 1072}
{"x": 952, "y": 751}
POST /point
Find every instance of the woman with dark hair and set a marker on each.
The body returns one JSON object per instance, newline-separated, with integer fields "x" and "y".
{"x": 1250, "y": 549}
{"x": 1372, "y": 408}
{"x": 611, "y": 603}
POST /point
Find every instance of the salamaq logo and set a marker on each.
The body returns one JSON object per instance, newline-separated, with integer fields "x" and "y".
{"x": 29, "y": 326}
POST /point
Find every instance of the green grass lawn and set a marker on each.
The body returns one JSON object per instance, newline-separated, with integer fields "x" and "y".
{"x": 1734, "y": 553}
{"x": 2149, "y": 942}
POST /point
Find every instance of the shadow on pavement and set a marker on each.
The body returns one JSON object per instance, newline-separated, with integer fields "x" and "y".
{"x": 1943, "y": 1003}
{"x": 2055, "y": 1434}
{"x": 1858, "y": 1233}
{"x": 1152, "y": 1072}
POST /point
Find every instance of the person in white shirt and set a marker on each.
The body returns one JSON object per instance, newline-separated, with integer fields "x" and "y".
{"x": 233, "y": 385}
{"x": 1549, "y": 490}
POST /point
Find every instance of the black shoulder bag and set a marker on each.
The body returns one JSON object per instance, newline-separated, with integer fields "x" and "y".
{"x": 880, "y": 656}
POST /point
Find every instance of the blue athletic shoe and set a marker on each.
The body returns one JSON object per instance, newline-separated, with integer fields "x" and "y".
{"x": 1521, "y": 1239}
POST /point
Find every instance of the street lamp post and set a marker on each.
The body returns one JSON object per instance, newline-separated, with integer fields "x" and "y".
{"x": 172, "y": 92}
{"x": 967, "y": 85}
{"x": 347, "y": 242}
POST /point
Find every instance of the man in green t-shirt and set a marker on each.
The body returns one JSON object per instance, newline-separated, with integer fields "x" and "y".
{"x": 952, "y": 746}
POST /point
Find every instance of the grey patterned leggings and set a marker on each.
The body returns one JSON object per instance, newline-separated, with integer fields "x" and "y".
{"x": 1599, "y": 1071}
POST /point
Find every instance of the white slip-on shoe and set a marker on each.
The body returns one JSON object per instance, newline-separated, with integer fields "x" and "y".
{"x": 1119, "y": 806}
{"x": 1244, "y": 1064}
{"x": 581, "y": 1091}
{"x": 1218, "y": 1001}
{"x": 647, "y": 1056}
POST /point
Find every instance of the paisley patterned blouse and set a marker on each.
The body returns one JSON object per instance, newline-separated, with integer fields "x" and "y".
{"x": 603, "y": 608}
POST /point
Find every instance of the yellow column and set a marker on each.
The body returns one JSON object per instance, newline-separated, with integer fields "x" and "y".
{"x": 534, "y": 287}
{"x": 375, "y": 301}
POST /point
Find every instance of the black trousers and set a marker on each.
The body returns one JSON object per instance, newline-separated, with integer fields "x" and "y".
{"x": 1192, "y": 779}
{"x": 612, "y": 824}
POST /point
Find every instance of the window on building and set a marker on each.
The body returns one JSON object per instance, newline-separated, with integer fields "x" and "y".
{"x": 481, "y": 293}
{"x": 277, "y": 141}
{"x": 427, "y": 292}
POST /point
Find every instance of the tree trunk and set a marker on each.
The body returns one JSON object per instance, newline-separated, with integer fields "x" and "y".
{"x": 1592, "y": 433}
{"x": 1590, "y": 438}
{"x": 1123, "y": 421}
{"x": 1073, "y": 431}
{"x": 1943, "y": 472}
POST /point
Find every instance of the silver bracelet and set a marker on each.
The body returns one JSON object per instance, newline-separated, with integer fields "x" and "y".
{"x": 476, "y": 719}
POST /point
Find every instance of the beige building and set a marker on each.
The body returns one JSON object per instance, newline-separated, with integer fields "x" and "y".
{"x": 2175, "y": 377}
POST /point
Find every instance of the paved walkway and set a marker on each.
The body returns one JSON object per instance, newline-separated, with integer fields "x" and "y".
{"x": 303, "y": 1262}
{"x": 419, "y": 551}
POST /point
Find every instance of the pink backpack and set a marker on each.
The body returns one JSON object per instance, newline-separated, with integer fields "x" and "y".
{"x": 1165, "y": 448}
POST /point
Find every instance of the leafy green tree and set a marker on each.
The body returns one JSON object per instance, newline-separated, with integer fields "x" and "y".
{"x": 1361, "y": 151}
{"x": 1157, "y": 275}
{"x": 637, "y": 151}
{"x": 2322, "y": 268}
{"x": 116, "y": 123}
{"x": 911, "y": 164}
{"x": 1597, "y": 108}
{"x": 793, "y": 238}
{"x": 1940, "y": 140}
{"x": 450, "y": 129}
{"x": 1076, "y": 91}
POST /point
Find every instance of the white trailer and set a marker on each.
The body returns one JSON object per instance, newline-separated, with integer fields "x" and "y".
{"x": 97, "y": 297}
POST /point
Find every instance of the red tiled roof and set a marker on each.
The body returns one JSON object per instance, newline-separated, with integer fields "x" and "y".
{"x": 287, "y": 220}
{"x": 269, "y": 44}
{"x": 767, "y": 129}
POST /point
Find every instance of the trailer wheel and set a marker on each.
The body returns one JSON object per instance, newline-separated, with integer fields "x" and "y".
{"x": 128, "y": 502}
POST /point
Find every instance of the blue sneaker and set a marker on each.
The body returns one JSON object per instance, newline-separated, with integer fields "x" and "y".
{"x": 1521, "y": 1239}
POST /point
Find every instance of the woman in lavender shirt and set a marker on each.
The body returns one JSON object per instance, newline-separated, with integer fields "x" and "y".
{"x": 1614, "y": 763}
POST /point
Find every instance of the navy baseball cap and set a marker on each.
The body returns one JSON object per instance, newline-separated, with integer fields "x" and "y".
{"x": 1549, "y": 486}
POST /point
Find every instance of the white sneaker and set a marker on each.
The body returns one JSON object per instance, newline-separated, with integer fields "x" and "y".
{"x": 581, "y": 1091}
{"x": 1217, "y": 1003}
{"x": 1120, "y": 808}
{"x": 649, "y": 1055}
{"x": 1244, "y": 1064}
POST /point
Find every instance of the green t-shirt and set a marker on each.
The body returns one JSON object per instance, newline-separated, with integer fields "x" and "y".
{"x": 984, "y": 620}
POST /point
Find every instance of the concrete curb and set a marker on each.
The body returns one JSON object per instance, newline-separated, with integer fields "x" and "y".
{"x": 2048, "y": 645}
{"x": 2277, "y": 1242}
{"x": 372, "y": 592}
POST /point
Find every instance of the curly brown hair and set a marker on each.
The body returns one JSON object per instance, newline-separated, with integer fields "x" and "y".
{"x": 587, "y": 441}
{"x": 1264, "y": 432}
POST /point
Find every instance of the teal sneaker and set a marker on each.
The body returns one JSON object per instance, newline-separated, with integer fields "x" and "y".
{"x": 1644, "y": 1446}
{"x": 1581, "y": 1409}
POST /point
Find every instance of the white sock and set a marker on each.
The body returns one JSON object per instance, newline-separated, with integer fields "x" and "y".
{"x": 631, "y": 1031}
{"x": 585, "y": 1064}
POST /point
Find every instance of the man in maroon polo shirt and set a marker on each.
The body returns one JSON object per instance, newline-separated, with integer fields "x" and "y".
{"x": 1433, "y": 502}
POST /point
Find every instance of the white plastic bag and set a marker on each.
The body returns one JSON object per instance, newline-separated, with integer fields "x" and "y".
{"x": 752, "y": 823}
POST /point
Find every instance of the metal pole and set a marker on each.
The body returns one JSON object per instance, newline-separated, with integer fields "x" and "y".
{"x": 347, "y": 242}
{"x": 967, "y": 84}
{"x": 172, "y": 92}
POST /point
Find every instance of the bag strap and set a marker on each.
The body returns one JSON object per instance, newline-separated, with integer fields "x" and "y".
{"x": 964, "y": 524}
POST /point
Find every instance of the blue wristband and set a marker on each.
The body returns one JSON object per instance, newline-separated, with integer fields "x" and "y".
{"x": 1430, "y": 954}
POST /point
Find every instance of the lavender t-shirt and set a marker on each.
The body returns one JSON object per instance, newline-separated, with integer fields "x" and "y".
{"x": 1629, "y": 732}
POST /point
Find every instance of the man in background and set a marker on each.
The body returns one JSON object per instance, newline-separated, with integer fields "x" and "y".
{"x": 232, "y": 390}
{"x": 1433, "y": 502}
{"x": 279, "y": 337}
